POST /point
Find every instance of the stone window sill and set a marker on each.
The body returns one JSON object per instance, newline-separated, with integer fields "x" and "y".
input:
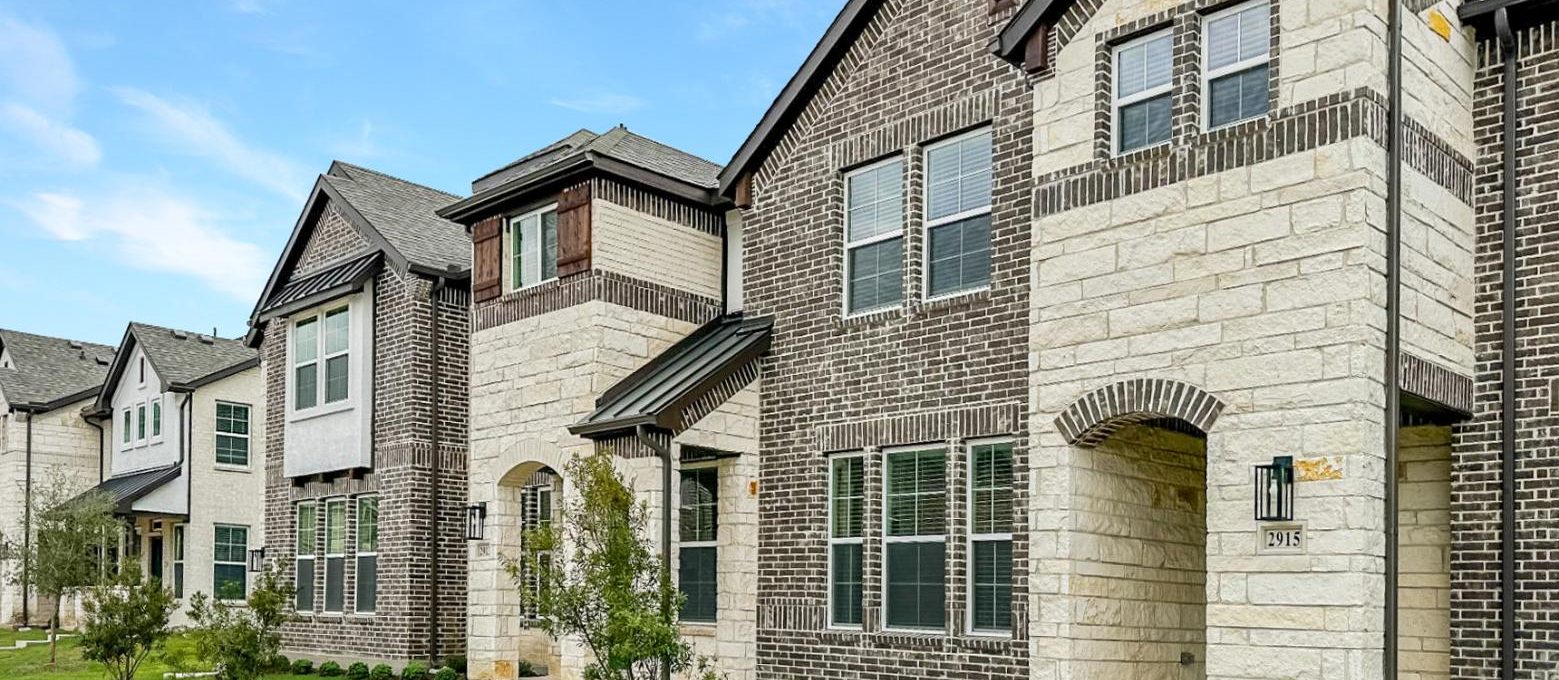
{"x": 703, "y": 629}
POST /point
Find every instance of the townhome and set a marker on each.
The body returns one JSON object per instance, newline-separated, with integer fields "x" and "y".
{"x": 180, "y": 411}
{"x": 606, "y": 315}
{"x": 362, "y": 332}
{"x": 1088, "y": 356}
{"x": 44, "y": 384}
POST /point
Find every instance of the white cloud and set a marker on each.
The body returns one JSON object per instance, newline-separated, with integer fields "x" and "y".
{"x": 71, "y": 146}
{"x": 35, "y": 67}
{"x": 605, "y": 102}
{"x": 153, "y": 229}
{"x": 198, "y": 133}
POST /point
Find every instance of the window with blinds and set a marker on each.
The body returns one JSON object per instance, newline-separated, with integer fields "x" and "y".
{"x": 699, "y": 515}
{"x": 1143, "y": 69}
{"x": 915, "y": 539}
{"x": 990, "y": 537}
{"x": 533, "y": 248}
{"x": 367, "y": 556}
{"x": 303, "y": 555}
{"x": 874, "y": 237}
{"x": 847, "y": 518}
{"x": 335, "y": 555}
{"x": 958, "y": 214}
{"x": 1238, "y": 49}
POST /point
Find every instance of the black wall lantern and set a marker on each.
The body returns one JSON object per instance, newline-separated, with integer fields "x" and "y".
{"x": 1275, "y": 490}
{"x": 476, "y": 521}
{"x": 257, "y": 560}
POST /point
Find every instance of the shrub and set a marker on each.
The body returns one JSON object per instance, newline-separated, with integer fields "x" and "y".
{"x": 245, "y": 641}
{"x": 457, "y": 662}
{"x": 302, "y": 667}
{"x": 127, "y": 620}
{"x": 526, "y": 670}
{"x": 414, "y": 671}
{"x": 357, "y": 671}
{"x": 279, "y": 664}
{"x": 381, "y": 672}
{"x": 329, "y": 669}
{"x": 446, "y": 673}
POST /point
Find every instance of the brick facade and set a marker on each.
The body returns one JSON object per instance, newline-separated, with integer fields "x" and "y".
{"x": 402, "y": 475}
{"x": 918, "y": 373}
{"x": 1476, "y": 491}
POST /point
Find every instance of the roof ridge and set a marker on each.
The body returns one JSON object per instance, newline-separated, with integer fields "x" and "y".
{"x": 550, "y": 147}
{"x": 83, "y": 343}
{"x": 170, "y": 329}
{"x": 389, "y": 176}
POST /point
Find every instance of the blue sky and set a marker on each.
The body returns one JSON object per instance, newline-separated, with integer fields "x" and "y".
{"x": 154, "y": 156}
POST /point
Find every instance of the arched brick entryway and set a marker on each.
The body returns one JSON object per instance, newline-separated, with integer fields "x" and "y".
{"x": 1098, "y": 414}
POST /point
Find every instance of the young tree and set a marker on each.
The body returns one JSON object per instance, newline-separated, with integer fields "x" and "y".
{"x": 68, "y": 533}
{"x": 242, "y": 642}
{"x": 127, "y": 619}
{"x": 599, "y": 581}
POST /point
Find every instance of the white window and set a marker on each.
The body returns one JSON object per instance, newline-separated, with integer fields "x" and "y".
{"x": 156, "y": 404}
{"x": 312, "y": 346}
{"x": 232, "y": 445}
{"x": 178, "y": 561}
{"x": 958, "y": 214}
{"x": 533, "y": 248}
{"x": 367, "y": 596}
{"x": 990, "y": 537}
{"x": 335, "y": 555}
{"x": 140, "y": 423}
{"x": 127, "y": 437}
{"x": 874, "y": 237}
{"x": 846, "y": 529}
{"x": 303, "y": 555}
{"x": 1143, "y": 70}
{"x": 230, "y": 553}
{"x": 1238, "y": 47}
{"x": 698, "y": 557}
{"x": 915, "y": 539}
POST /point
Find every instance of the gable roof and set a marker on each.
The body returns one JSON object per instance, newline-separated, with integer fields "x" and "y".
{"x": 398, "y": 218}
{"x": 798, "y": 91}
{"x": 51, "y": 372}
{"x": 618, "y": 151}
{"x": 180, "y": 358}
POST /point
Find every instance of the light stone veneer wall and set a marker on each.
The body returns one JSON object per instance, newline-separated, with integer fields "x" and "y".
{"x": 63, "y": 441}
{"x": 530, "y": 380}
{"x": 1424, "y": 474}
{"x": 646, "y": 247}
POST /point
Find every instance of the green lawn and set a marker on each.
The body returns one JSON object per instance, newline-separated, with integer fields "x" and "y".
{"x": 31, "y": 663}
{"x": 9, "y": 638}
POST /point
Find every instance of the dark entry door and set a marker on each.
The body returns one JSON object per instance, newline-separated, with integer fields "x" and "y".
{"x": 154, "y": 546}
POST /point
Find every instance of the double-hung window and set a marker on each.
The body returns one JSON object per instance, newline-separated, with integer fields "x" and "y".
{"x": 958, "y": 214}
{"x": 140, "y": 424}
{"x": 533, "y": 248}
{"x": 1142, "y": 92}
{"x": 990, "y": 537}
{"x": 916, "y": 541}
{"x": 156, "y": 405}
{"x": 874, "y": 237}
{"x": 1238, "y": 51}
{"x": 696, "y": 575}
{"x": 232, "y": 434}
{"x": 335, "y": 555}
{"x": 303, "y": 556}
{"x": 846, "y": 527}
{"x": 367, "y": 555}
{"x": 178, "y": 561}
{"x": 128, "y": 435}
{"x": 312, "y": 346}
{"x": 230, "y": 554}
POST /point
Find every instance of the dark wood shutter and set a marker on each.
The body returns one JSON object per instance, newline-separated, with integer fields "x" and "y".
{"x": 487, "y": 259}
{"x": 574, "y": 230}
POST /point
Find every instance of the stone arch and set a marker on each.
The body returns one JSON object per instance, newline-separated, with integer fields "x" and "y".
{"x": 1097, "y": 415}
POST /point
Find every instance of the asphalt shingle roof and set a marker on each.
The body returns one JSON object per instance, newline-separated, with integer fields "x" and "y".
{"x": 618, "y": 143}
{"x": 181, "y": 357}
{"x": 50, "y": 369}
{"x": 403, "y": 213}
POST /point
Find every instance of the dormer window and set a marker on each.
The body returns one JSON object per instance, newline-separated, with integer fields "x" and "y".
{"x": 1142, "y": 92}
{"x": 533, "y": 248}
{"x": 310, "y": 347}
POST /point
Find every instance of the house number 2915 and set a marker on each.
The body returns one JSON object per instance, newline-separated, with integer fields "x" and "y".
{"x": 1281, "y": 539}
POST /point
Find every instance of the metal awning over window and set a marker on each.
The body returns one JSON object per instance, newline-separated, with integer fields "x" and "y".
{"x": 321, "y": 286}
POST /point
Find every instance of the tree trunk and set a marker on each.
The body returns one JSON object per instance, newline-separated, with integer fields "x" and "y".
{"x": 54, "y": 633}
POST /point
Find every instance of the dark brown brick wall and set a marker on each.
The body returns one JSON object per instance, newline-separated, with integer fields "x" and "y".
{"x": 402, "y": 475}
{"x": 921, "y": 71}
{"x": 1476, "y": 490}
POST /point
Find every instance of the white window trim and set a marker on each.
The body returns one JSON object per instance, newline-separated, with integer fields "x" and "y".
{"x": 127, "y": 420}
{"x": 973, "y": 538}
{"x": 154, "y": 420}
{"x": 345, "y": 537}
{"x": 852, "y": 245}
{"x": 242, "y": 564}
{"x": 218, "y": 433}
{"x": 1117, "y": 102}
{"x": 836, "y": 541}
{"x": 320, "y": 407}
{"x": 925, "y": 207}
{"x": 1209, "y": 75}
{"x": 356, "y": 531}
{"x": 887, "y": 540}
{"x": 140, "y": 378}
{"x": 323, "y": 382}
{"x": 143, "y": 423}
{"x": 180, "y": 538}
{"x": 511, "y": 239}
{"x": 308, "y": 556}
{"x": 688, "y": 467}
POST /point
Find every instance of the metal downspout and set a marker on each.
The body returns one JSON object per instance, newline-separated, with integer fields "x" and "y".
{"x": 433, "y": 570}
{"x": 1393, "y": 333}
{"x": 665, "y": 530}
{"x": 1507, "y": 558}
{"x": 101, "y": 452}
